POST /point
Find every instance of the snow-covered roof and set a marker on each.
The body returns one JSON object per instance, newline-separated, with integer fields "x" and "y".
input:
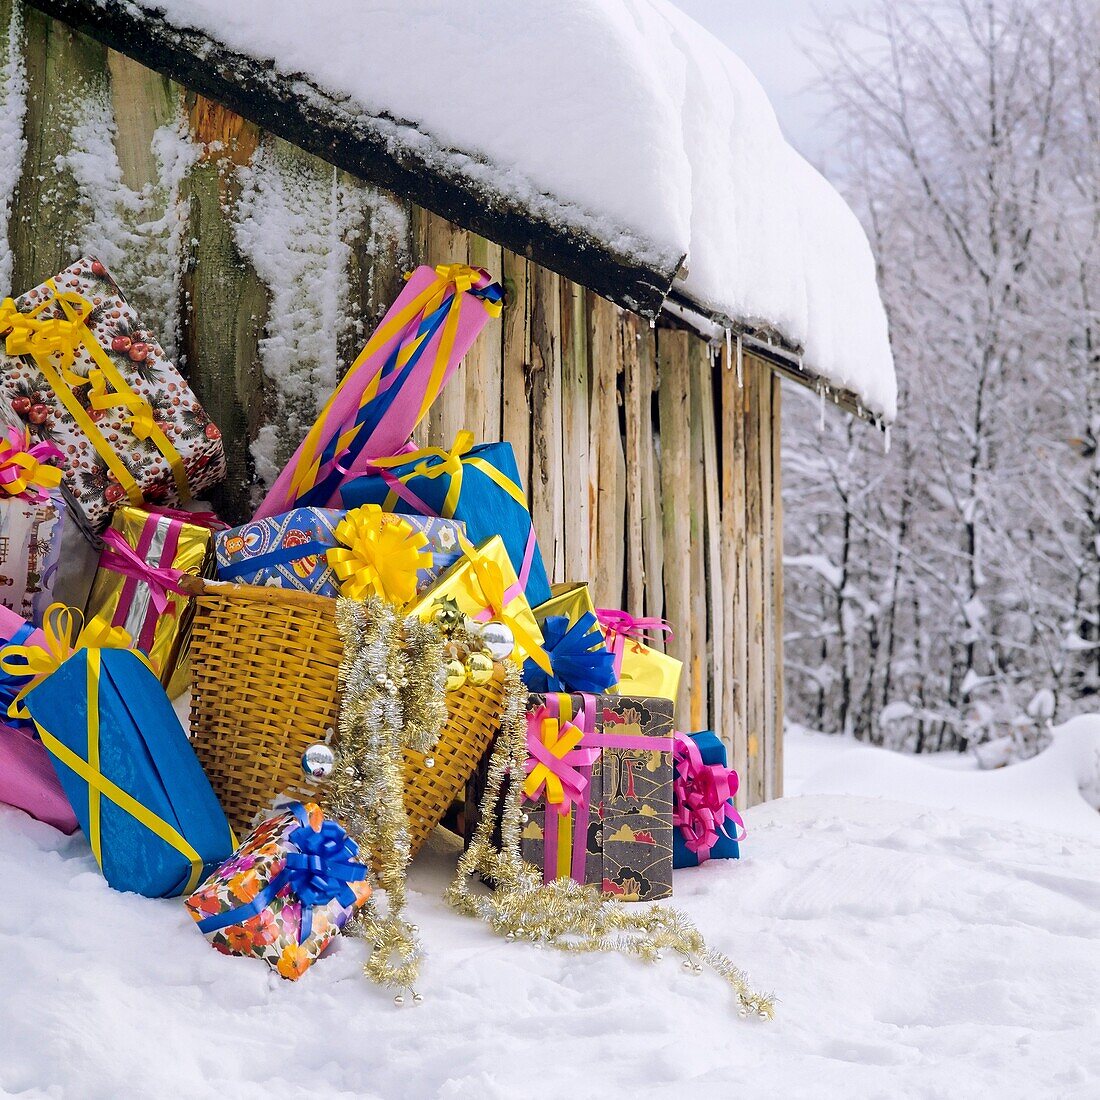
{"x": 622, "y": 119}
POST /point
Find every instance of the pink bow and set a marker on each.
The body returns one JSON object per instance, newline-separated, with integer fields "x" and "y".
{"x": 119, "y": 557}
{"x": 209, "y": 520}
{"x": 19, "y": 465}
{"x": 630, "y": 626}
{"x": 702, "y": 799}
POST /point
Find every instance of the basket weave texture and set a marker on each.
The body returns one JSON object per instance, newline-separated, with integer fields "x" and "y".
{"x": 265, "y": 664}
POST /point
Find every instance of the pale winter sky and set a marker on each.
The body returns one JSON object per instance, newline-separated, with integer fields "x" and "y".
{"x": 766, "y": 34}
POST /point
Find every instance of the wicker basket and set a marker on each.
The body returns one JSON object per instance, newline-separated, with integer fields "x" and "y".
{"x": 264, "y": 665}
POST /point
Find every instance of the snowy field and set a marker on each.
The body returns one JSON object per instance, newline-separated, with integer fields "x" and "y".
{"x": 916, "y": 950}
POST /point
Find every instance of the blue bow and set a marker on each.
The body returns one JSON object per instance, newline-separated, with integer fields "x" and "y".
{"x": 322, "y": 869}
{"x": 10, "y": 685}
{"x": 578, "y": 656}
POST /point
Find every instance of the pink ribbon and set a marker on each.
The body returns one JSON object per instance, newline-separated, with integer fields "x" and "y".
{"x": 10, "y": 471}
{"x": 619, "y": 625}
{"x": 209, "y": 520}
{"x": 119, "y": 557}
{"x": 702, "y": 799}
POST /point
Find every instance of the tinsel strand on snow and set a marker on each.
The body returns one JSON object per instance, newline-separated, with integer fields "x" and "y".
{"x": 566, "y": 914}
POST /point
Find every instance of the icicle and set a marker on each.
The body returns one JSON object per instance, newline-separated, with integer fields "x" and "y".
{"x": 820, "y": 408}
{"x": 886, "y": 440}
{"x": 653, "y": 322}
{"x": 729, "y": 350}
{"x": 740, "y": 364}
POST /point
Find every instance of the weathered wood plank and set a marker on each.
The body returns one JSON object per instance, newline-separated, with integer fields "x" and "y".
{"x": 634, "y": 425}
{"x": 446, "y": 244}
{"x": 653, "y": 556}
{"x": 715, "y": 566}
{"x": 574, "y": 412}
{"x": 702, "y": 410}
{"x": 734, "y": 518}
{"x": 62, "y": 69}
{"x": 754, "y": 566}
{"x": 142, "y": 101}
{"x": 482, "y": 368}
{"x": 515, "y": 384}
{"x": 607, "y": 468}
{"x": 547, "y": 493}
{"x": 768, "y": 555}
{"x": 776, "y": 767}
{"x": 226, "y": 301}
{"x": 675, "y": 428}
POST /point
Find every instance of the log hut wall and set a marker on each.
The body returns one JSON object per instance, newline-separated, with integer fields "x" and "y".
{"x": 652, "y": 462}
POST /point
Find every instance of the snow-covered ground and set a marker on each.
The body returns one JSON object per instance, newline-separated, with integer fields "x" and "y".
{"x": 916, "y": 950}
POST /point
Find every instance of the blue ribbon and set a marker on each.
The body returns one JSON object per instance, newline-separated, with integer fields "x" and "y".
{"x": 578, "y": 656}
{"x": 10, "y": 685}
{"x": 322, "y": 869}
{"x": 281, "y": 555}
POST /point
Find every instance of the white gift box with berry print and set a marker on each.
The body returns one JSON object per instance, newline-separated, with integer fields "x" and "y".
{"x": 82, "y": 372}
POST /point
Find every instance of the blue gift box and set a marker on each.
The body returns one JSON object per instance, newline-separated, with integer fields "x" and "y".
{"x": 134, "y": 782}
{"x": 488, "y": 499}
{"x": 713, "y": 752}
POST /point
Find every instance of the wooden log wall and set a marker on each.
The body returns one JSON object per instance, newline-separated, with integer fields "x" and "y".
{"x": 651, "y": 471}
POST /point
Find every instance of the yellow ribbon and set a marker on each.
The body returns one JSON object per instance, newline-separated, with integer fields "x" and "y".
{"x": 44, "y": 338}
{"x": 459, "y": 276}
{"x": 62, "y": 639}
{"x": 34, "y": 473}
{"x": 490, "y": 581}
{"x": 380, "y": 555}
{"x": 557, "y": 744}
{"x": 99, "y": 784}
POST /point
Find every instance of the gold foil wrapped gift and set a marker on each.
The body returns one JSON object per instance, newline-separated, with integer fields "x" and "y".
{"x": 127, "y": 595}
{"x": 484, "y": 586}
{"x": 642, "y": 670}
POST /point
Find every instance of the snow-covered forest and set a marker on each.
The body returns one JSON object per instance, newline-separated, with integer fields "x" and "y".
{"x": 947, "y": 593}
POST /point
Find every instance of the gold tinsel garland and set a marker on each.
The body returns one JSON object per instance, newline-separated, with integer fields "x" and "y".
{"x": 393, "y": 698}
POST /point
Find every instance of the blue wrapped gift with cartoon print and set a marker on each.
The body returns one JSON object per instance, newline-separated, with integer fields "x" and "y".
{"x": 706, "y": 824}
{"x": 476, "y": 484}
{"x": 135, "y": 784}
{"x": 289, "y": 551}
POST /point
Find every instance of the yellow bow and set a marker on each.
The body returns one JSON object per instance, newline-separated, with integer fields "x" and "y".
{"x": 380, "y": 556}
{"x": 63, "y": 638}
{"x": 558, "y": 744}
{"x": 20, "y": 467}
{"x": 490, "y": 580}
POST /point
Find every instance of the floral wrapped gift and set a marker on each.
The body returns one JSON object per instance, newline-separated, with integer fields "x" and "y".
{"x": 598, "y": 792}
{"x": 330, "y": 552}
{"x": 484, "y": 586}
{"x": 27, "y": 778}
{"x": 83, "y": 372}
{"x": 478, "y": 485}
{"x": 31, "y": 523}
{"x": 137, "y": 586}
{"x": 705, "y": 818}
{"x": 285, "y": 893}
{"x": 639, "y": 668}
{"x": 574, "y": 643}
{"x": 140, "y": 794}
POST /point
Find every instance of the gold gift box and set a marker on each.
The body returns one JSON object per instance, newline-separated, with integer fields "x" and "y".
{"x": 166, "y": 641}
{"x": 461, "y": 584}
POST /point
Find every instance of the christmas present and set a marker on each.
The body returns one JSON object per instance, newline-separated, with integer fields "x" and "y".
{"x": 138, "y": 583}
{"x": 598, "y": 792}
{"x": 84, "y": 373}
{"x": 330, "y": 552}
{"x": 285, "y": 893}
{"x": 391, "y": 385}
{"x": 483, "y": 585}
{"x": 640, "y": 669}
{"x": 705, "y": 820}
{"x": 478, "y": 485}
{"x": 31, "y": 523}
{"x": 27, "y": 778}
{"x": 574, "y": 643}
{"x": 124, "y": 761}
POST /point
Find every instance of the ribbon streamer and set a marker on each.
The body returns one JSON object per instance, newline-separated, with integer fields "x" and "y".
{"x": 620, "y": 625}
{"x": 119, "y": 557}
{"x": 380, "y": 556}
{"x": 23, "y": 467}
{"x": 321, "y": 870}
{"x": 579, "y": 660}
{"x": 31, "y": 664}
{"x": 702, "y": 799}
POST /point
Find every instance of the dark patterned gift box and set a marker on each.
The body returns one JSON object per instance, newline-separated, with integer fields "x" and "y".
{"x": 82, "y": 372}
{"x": 597, "y": 792}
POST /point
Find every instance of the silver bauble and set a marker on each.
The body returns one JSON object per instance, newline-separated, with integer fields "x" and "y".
{"x": 318, "y": 761}
{"x": 497, "y": 640}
